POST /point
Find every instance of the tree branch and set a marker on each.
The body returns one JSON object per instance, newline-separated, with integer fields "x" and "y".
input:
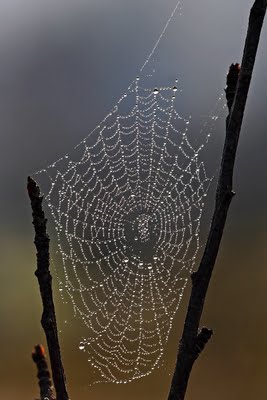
{"x": 43, "y": 374}
{"x": 193, "y": 342}
{"x": 48, "y": 320}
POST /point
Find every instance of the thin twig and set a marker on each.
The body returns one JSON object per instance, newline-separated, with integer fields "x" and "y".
{"x": 48, "y": 320}
{"x": 43, "y": 374}
{"x": 193, "y": 341}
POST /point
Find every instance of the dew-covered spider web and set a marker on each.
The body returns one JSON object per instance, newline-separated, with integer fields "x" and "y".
{"x": 127, "y": 205}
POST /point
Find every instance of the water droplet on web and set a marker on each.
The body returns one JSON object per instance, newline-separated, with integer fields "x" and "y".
{"x": 174, "y": 89}
{"x": 81, "y": 346}
{"x": 155, "y": 91}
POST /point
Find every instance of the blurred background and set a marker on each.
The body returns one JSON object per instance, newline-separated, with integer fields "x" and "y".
{"x": 64, "y": 64}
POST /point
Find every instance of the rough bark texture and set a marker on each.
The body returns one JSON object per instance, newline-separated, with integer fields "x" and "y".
{"x": 45, "y": 282}
{"x": 193, "y": 341}
{"x": 43, "y": 374}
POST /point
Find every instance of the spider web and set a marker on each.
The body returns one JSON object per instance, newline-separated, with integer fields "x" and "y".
{"x": 127, "y": 204}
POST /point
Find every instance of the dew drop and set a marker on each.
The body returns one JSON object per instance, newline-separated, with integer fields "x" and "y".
{"x": 174, "y": 88}
{"x": 155, "y": 91}
{"x": 81, "y": 346}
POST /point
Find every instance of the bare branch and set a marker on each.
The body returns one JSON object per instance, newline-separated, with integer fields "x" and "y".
{"x": 193, "y": 342}
{"x": 43, "y": 374}
{"x": 48, "y": 320}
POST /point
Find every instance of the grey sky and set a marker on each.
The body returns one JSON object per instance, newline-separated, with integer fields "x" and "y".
{"x": 64, "y": 64}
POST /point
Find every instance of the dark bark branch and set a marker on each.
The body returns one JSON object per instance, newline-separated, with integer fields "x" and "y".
{"x": 43, "y": 374}
{"x": 48, "y": 320}
{"x": 193, "y": 341}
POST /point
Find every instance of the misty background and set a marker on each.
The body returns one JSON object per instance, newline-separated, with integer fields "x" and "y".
{"x": 64, "y": 64}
